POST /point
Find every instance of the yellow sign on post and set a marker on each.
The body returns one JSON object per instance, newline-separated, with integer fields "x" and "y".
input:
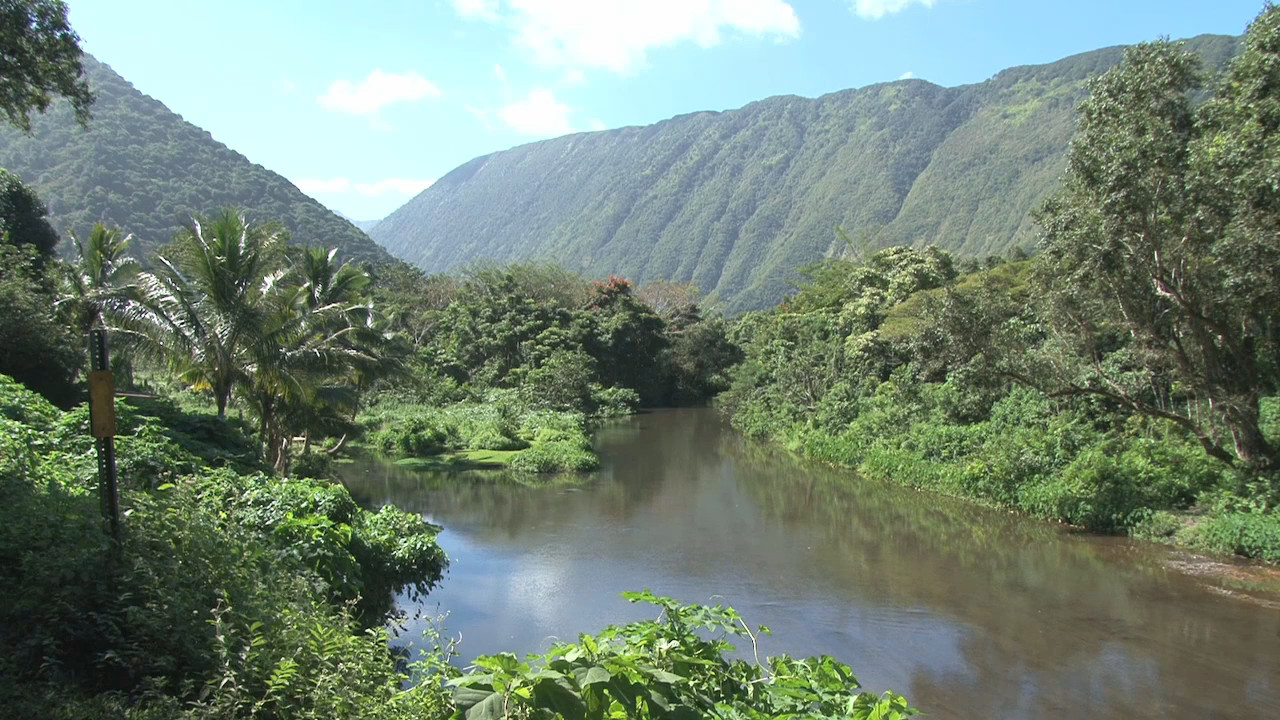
{"x": 102, "y": 404}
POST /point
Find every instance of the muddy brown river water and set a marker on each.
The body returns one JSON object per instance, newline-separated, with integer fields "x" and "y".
{"x": 969, "y": 612}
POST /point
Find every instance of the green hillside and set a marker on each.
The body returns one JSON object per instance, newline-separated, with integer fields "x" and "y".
{"x": 735, "y": 201}
{"x": 142, "y": 167}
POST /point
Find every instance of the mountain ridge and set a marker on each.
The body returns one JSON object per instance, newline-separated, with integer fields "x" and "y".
{"x": 734, "y": 200}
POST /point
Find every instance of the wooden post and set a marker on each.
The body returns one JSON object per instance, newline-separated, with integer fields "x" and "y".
{"x": 102, "y": 425}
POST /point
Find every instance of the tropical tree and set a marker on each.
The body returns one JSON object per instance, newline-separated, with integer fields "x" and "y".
{"x": 101, "y": 277}
{"x": 22, "y": 217}
{"x": 328, "y": 283}
{"x": 36, "y": 348}
{"x": 626, "y": 335}
{"x": 318, "y": 336}
{"x": 205, "y": 311}
{"x": 1161, "y": 252}
{"x": 41, "y": 59}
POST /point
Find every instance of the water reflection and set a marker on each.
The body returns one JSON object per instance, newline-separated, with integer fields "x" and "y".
{"x": 972, "y": 613}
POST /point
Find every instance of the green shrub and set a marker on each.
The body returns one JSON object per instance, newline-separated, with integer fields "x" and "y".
{"x": 312, "y": 465}
{"x": 1159, "y": 526}
{"x": 1255, "y": 535}
{"x": 674, "y": 667}
{"x": 218, "y": 601}
{"x": 613, "y": 401}
{"x": 557, "y": 435}
{"x": 532, "y": 422}
{"x": 413, "y": 436}
{"x": 23, "y": 405}
{"x": 491, "y": 438}
{"x": 555, "y": 457}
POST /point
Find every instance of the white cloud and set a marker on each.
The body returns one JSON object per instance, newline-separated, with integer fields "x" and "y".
{"x": 376, "y": 91}
{"x": 393, "y": 186}
{"x": 596, "y": 124}
{"x": 540, "y": 115}
{"x": 906, "y": 75}
{"x": 616, "y": 34}
{"x": 876, "y": 9}
{"x": 313, "y": 186}
{"x": 500, "y": 73}
{"x": 482, "y": 9}
{"x": 342, "y": 186}
{"x": 574, "y": 78}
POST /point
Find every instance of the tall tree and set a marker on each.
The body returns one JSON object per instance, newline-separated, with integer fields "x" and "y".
{"x": 204, "y": 309}
{"x": 39, "y": 59}
{"x": 1161, "y": 251}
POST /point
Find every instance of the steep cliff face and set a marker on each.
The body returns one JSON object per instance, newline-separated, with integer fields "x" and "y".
{"x": 734, "y": 201}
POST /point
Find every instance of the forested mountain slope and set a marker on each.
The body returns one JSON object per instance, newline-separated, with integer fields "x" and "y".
{"x": 734, "y": 201}
{"x": 142, "y": 167}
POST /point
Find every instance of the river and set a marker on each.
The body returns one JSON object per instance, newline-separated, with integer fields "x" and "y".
{"x": 969, "y": 612}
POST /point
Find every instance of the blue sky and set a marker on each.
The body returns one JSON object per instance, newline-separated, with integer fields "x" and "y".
{"x": 363, "y": 104}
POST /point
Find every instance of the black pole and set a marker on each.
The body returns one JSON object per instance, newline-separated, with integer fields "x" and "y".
{"x": 108, "y": 482}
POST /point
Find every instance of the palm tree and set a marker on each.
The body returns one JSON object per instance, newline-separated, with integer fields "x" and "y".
{"x": 328, "y": 283}
{"x": 101, "y": 279}
{"x": 303, "y": 363}
{"x": 204, "y": 311}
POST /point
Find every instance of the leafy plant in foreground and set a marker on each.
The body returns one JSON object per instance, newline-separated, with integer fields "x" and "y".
{"x": 666, "y": 668}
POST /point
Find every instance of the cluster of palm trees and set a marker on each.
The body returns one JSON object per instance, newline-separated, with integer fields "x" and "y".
{"x": 232, "y": 311}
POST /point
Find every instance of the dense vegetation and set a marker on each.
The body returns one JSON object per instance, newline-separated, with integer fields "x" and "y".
{"x": 234, "y": 591}
{"x": 732, "y": 202}
{"x": 242, "y": 583}
{"x": 139, "y": 166}
{"x": 518, "y": 359}
{"x": 230, "y": 591}
{"x": 1124, "y": 380}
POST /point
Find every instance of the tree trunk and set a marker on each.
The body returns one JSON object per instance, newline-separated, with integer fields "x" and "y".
{"x": 1251, "y": 445}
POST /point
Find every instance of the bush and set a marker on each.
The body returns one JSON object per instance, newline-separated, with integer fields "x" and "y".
{"x": 675, "y": 667}
{"x": 1255, "y": 534}
{"x": 555, "y": 457}
{"x": 415, "y": 436}
{"x": 312, "y": 465}
{"x": 613, "y": 401}
{"x": 1158, "y": 526}
{"x": 491, "y": 438}
{"x": 218, "y": 601}
{"x": 532, "y": 422}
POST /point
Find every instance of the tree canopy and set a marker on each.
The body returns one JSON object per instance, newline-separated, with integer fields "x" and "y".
{"x": 1163, "y": 243}
{"x": 39, "y": 60}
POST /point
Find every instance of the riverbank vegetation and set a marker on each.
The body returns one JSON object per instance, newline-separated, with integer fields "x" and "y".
{"x": 522, "y": 359}
{"x": 1123, "y": 380}
{"x": 243, "y": 586}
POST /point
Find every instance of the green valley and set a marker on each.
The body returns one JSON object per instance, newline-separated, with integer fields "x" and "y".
{"x": 977, "y": 387}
